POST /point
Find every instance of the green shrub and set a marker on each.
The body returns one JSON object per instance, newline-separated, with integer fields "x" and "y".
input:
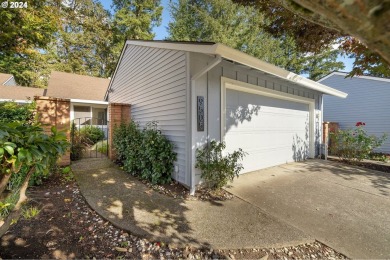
{"x": 217, "y": 170}
{"x": 101, "y": 147}
{"x": 382, "y": 157}
{"x": 14, "y": 112}
{"x": 92, "y": 134}
{"x": 354, "y": 144}
{"x": 145, "y": 153}
{"x": 26, "y": 152}
{"x": 157, "y": 155}
{"x": 79, "y": 144}
{"x": 127, "y": 143}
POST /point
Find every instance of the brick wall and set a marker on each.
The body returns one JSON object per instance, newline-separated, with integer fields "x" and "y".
{"x": 117, "y": 113}
{"x": 55, "y": 112}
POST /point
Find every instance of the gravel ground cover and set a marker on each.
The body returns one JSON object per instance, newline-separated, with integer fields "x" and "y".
{"x": 66, "y": 228}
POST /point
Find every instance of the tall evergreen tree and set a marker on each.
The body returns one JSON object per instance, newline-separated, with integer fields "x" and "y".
{"x": 134, "y": 19}
{"x": 24, "y": 34}
{"x": 83, "y": 45}
{"x": 241, "y": 28}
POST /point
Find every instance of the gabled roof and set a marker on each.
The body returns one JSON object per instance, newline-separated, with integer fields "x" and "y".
{"x": 19, "y": 93}
{"x": 4, "y": 78}
{"x": 340, "y": 73}
{"x": 234, "y": 55}
{"x": 73, "y": 86}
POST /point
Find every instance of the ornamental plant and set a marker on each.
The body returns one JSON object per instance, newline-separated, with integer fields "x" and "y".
{"x": 25, "y": 150}
{"x": 127, "y": 141}
{"x": 355, "y": 144}
{"x": 216, "y": 169}
{"x": 145, "y": 153}
{"x": 157, "y": 155}
{"x": 14, "y": 112}
{"x": 92, "y": 134}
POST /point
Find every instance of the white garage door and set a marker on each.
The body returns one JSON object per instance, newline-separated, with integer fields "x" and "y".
{"x": 272, "y": 131}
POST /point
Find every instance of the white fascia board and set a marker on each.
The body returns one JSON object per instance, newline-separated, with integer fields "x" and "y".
{"x": 116, "y": 69}
{"x": 354, "y": 77}
{"x": 331, "y": 74}
{"x": 243, "y": 58}
{"x": 8, "y": 80}
{"x": 15, "y": 100}
{"x": 202, "y": 48}
{"x": 84, "y": 101}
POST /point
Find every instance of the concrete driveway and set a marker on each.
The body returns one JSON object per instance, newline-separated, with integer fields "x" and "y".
{"x": 345, "y": 207}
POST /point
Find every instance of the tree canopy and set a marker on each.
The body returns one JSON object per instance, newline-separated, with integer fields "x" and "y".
{"x": 245, "y": 29}
{"x": 360, "y": 27}
{"x": 77, "y": 36}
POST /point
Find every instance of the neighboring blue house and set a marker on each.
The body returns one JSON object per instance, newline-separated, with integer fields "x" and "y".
{"x": 368, "y": 101}
{"x": 7, "y": 80}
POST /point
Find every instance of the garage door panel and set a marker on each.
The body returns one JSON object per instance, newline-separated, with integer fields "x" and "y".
{"x": 274, "y": 134}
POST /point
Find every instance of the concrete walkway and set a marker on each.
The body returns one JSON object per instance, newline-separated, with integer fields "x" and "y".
{"x": 130, "y": 205}
{"x": 346, "y": 207}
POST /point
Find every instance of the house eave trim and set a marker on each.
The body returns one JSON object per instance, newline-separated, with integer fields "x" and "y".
{"x": 85, "y": 101}
{"x": 8, "y": 80}
{"x": 245, "y": 59}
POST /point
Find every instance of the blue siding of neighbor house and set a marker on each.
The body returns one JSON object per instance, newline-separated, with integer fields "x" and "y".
{"x": 10, "y": 82}
{"x": 154, "y": 82}
{"x": 368, "y": 101}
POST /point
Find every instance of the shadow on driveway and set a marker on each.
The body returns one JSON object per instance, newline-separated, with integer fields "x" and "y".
{"x": 130, "y": 205}
{"x": 343, "y": 206}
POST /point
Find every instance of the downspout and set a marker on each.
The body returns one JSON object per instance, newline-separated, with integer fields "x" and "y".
{"x": 213, "y": 63}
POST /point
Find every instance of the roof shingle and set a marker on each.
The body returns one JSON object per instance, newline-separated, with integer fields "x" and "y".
{"x": 73, "y": 86}
{"x": 20, "y": 93}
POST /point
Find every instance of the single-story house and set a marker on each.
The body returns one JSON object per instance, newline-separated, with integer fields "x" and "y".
{"x": 203, "y": 91}
{"x": 19, "y": 94}
{"x": 7, "y": 80}
{"x": 86, "y": 94}
{"x": 368, "y": 101}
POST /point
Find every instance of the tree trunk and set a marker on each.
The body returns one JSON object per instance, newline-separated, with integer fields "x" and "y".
{"x": 4, "y": 181}
{"x": 15, "y": 213}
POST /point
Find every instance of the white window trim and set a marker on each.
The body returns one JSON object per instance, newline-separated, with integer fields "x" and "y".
{"x": 227, "y": 83}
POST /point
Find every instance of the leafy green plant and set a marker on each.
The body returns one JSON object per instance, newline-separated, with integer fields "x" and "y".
{"x": 382, "y": 157}
{"x": 67, "y": 173}
{"x": 145, "y": 153}
{"x": 92, "y": 134}
{"x": 216, "y": 169}
{"x": 14, "y": 112}
{"x": 355, "y": 144}
{"x": 157, "y": 155}
{"x": 30, "y": 212}
{"x": 101, "y": 147}
{"x": 26, "y": 149}
{"x": 79, "y": 145}
{"x": 127, "y": 141}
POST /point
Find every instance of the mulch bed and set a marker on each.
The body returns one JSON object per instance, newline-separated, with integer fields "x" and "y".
{"x": 176, "y": 190}
{"x": 373, "y": 165}
{"x": 67, "y": 227}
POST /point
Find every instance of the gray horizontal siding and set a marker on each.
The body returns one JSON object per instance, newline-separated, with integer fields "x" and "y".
{"x": 368, "y": 101}
{"x": 154, "y": 82}
{"x": 209, "y": 86}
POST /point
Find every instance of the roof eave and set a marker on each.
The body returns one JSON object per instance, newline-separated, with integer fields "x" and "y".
{"x": 252, "y": 62}
{"x": 242, "y": 58}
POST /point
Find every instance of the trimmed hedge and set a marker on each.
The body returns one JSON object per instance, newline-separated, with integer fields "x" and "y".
{"x": 145, "y": 153}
